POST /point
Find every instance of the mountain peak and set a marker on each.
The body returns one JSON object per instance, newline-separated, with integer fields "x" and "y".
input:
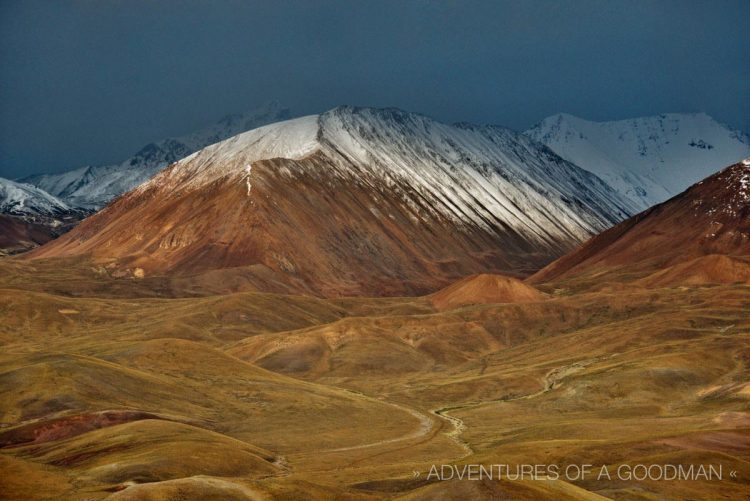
{"x": 30, "y": 217}
{"x": 724, "y": 195}
{"x": 391, "y": 202}
{"x": 21, "y": 199}
{"x": 94, "y": 187}
{"x": 646, "y": 159}
{"x": 271, "y": 108}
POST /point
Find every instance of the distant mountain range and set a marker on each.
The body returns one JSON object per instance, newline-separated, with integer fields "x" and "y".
{"x": 354, "y": 201}
{"x": 41, "y": 207}
{"x": 22, "y": 199}
{"x": 488, "y": 186}
{"x": 92, "y": 187}
{"x": 649, "y": 159}
{"x": 30, "y": 216}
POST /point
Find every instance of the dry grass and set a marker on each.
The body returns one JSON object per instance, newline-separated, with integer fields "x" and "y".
{"x": 290, "y": 397}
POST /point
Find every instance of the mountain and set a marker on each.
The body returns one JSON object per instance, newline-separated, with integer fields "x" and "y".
{"x": 21, "y": 199}
{"x": 647, "y": 159}
{"x": 30, "y": 216}
{"x": 354, "y": 201}
{"x": 699, "y": 236}
{"x": 93, "y": 187}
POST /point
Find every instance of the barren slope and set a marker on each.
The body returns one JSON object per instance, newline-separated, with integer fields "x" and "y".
{"x": 711, "y": 217}
{"x": 482, "y": 289}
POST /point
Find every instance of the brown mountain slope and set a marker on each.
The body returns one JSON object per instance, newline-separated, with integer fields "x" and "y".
{"x": 711, "y": 269}
{"x": 710, "y": 218}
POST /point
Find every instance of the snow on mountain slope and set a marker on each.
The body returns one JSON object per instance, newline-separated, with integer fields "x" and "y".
{"x": 647, "y": 159}
{"x": 352, "y": 201}
{"x": 94, "y": 186}
{"x": 30, "y": 217}
{"x": 478, "y": 175}
{"x": 20, "y": 199}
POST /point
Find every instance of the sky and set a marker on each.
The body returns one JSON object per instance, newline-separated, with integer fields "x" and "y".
{"x": 89, "y": 82}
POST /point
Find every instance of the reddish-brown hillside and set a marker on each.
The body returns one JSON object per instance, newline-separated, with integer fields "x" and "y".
{"x": 484, "y": 289}
{"x": 711, "y": 218}
{"x": 315, "y": 233}
{"x": 711, "y": 269}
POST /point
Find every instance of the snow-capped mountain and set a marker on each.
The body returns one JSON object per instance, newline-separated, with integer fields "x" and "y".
{"x": 473, "y": 175}
{"x": 20, "y": 199}
{"x": 647, "y": 159}
{"x": 30, "y": 217}
{"x": 355, "y": 200}
{"x": 93, "y": 187}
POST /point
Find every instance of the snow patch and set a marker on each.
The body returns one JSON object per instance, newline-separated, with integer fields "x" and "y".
{"x": 248, "y": 171}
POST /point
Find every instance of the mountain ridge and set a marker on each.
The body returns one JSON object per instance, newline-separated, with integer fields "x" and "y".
{"x": 391, "y": 202}
{"x": 23, "y": 199}
{"x": 30, "y": 217}
{"x": 711, "y": 218}
{"x": 92, "y": 187}
{"x": 647, "y": 159}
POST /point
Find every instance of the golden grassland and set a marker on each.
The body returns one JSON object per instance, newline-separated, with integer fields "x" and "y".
{"x": 162, "y": 388}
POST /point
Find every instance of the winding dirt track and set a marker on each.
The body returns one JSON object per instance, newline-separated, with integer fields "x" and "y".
{"x": 426, "y": 425}
{"x": 458, "y": 429}
{"x": 550, "y": 381}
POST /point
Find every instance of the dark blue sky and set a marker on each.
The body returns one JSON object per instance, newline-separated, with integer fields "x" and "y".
{"x": 90, "y": 81}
